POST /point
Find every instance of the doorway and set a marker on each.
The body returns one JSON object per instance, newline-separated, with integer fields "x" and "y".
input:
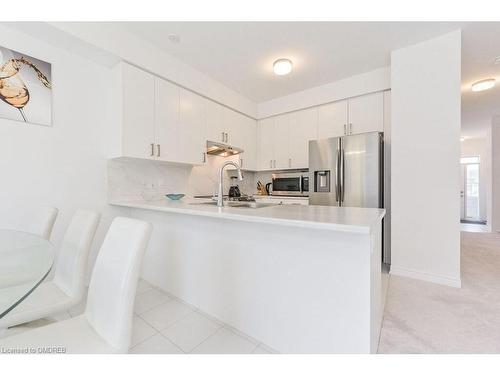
{"x": 469, "y": 192}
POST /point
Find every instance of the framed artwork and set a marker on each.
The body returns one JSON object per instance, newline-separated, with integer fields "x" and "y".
{"x": 25, "y": 88}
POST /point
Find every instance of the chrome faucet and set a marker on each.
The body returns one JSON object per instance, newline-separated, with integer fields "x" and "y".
{"x": 220, "y": 192}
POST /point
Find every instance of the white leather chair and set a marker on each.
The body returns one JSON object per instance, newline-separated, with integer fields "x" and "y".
{"x": 106, "y": 324}
{"x": 42, "y": 221}
{"x": 66, "y": 289}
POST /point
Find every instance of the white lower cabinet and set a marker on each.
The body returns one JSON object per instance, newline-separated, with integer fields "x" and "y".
{"x": 283, "y": 200}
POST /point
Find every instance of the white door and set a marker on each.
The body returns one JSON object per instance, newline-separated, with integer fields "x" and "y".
{"x": 192, "y": 129}
{"x": 303, "y": 128}
{"x": 138, "y": 95}
{"x": 282, "y": 142}
{"x": 167, "y": 126}
{"x": 243, "y": 134}
{"x": 470, "y": 209}
{"x": 332, "y": 119}
{"x": 266, "y": 143}
{"x": 366, "y": 113}
{"x": 216, "y": 121}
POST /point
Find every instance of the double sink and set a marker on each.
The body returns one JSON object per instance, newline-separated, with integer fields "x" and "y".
{"x": 248, "y": 203}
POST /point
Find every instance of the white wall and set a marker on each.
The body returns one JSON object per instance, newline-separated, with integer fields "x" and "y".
{"x": 478, "y": 147}
{"x": 360, "y": 84}
{"x": 63, "y": 165}
{"x": 425, "y": 127}
{"x": 495, "y": 167}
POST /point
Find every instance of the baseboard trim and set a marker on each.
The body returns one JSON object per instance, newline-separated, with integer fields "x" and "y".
{"x": 448, "y": 281}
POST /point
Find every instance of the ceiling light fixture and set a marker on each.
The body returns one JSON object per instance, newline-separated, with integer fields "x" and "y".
{"x": 485, "y": 84}
{"x": 174, "y": 38}
{"x": 282, "y": 67}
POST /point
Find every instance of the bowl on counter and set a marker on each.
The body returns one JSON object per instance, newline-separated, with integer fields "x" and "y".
{"x": 174, "y": 197}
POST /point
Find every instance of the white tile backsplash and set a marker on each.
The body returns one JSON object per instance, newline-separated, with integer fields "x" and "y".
{"x": 128, "y": 178}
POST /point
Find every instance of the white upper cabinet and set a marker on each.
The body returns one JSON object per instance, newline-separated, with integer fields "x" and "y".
{"x": 137, "y": 117}
{"x": 192, "y": 135}
{"x": 167, "y": 120}
{"x": 265, "y": 142}
{"x": 366, "y": 113}
{"x": 216, "y": 121}
{"x": 243, "y": 134}
{"x": 332, "y": 119}
{"x": 159, "y": 120}
{"x": 303, "y": 128}
{"x": 281, "y": 142}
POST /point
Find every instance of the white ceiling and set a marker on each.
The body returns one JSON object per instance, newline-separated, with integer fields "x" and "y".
{"x": 240, "y": 54}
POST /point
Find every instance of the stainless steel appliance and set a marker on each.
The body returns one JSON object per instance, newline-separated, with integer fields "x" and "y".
{"x": 290, "y": 184}
{"x": 348, "y": 171}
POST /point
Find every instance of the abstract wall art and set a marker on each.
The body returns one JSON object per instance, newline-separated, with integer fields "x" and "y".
{"x": 25, "y": 88}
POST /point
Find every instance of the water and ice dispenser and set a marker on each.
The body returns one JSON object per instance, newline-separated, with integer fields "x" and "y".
{"x": 322, "y": 181}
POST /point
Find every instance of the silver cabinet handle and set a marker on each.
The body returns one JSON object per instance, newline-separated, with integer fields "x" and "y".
{"x": 158, "y": 152}
{"x": 350, "y": 128}
{"x": 241, "y": 163}
{"x": 152, "y": 149}
{"x": 274, "y": 163}
{"x": 204, "y": 157}
{"x": 270, "y": 163}
{"x": 227, "y": 137}
{"x": 345, "y": 129}
{"x": 289, "y": 162}
{"x": 223, "y": 136}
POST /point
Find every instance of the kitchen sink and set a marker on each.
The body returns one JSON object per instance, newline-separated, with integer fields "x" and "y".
{"x": 237, "y": 204}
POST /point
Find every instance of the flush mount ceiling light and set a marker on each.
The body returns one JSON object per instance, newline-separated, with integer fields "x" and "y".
{"x": 485, "y": 84}
{"x": 282, "y": 67}
{"x": 174, "y": 38}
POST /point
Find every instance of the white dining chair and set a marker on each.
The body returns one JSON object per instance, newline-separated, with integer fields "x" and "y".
{"x": 41, "y": 221}
{"x": 67, "y": 287}
{"x": 106, "y": 324}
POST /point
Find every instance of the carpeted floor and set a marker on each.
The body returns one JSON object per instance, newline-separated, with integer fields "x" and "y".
{"x": 422, "y": 317}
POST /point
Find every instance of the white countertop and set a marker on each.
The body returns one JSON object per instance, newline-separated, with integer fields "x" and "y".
{"x": 341, "y": 219}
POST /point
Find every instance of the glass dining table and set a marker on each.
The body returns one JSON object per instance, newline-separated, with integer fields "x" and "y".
{"x": 25, "y": 261}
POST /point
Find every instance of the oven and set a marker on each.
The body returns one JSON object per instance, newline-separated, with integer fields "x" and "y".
{"x": 290, "y": 184}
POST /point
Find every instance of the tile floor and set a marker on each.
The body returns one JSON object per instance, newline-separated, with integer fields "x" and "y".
{"x": 163, "y": 324}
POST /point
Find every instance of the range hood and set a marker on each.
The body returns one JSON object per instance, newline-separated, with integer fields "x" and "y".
{"x": 222, "y": 149}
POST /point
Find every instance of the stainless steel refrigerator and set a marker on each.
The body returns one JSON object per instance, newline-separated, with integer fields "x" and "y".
{"x": 349, "y": 171}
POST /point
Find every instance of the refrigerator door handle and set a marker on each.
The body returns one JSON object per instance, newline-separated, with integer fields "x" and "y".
{"x": 337, "y": 175}
{"x": 341, "y": 174}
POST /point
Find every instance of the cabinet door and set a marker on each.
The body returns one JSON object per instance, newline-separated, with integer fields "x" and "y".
{"x": 282, "y": 142}
{"x": 332, "y": 119}
{"x": 192, "y": 128}
{"x": 138, "y": 112}
{"x": 303, "y": 128}
{"x": 243, "y": 134}
{"x": 216, "y": 121}
{"x": 366, "y": 113}
{"x": 266, "y": 143}
{"x": 167, "y": 127}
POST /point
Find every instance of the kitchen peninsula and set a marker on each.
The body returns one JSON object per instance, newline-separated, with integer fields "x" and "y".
{"x": 302, "y": 279}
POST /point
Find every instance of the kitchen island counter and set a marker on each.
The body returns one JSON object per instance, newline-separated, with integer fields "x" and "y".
{"x": 342, "y": 219}
{"x": 300, "y": 279}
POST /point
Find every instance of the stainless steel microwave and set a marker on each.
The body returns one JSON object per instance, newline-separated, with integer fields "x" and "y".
{"x": 291, "y": 184}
